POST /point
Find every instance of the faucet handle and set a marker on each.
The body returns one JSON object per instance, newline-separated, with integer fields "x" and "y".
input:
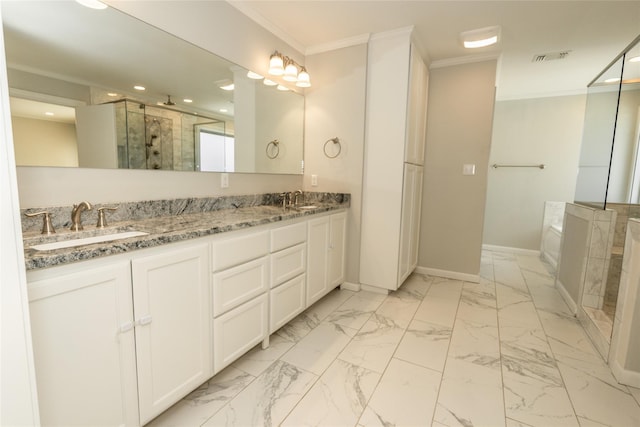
{"x": 47, "y": 226}
{"x": 102, "y": 222}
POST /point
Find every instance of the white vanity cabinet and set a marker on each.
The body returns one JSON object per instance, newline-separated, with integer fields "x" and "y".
{"x": 287, "y": 297}
{"x": 239, "y": 291}
{"x": 394, "y": 158}
{"x": 326, "y": 255}
{"x": 118, "y": 341}
{"x": 172, "y": 318}
{"x": 83, "y": 345}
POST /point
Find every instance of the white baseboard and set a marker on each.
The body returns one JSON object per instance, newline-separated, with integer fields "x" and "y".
{"x": 375, "y": 289}
{"x": 355, "y": 287}
{"x": 474, "y": 278}
{"x": 521, "y": 251}
{"x": 624, "y": 376}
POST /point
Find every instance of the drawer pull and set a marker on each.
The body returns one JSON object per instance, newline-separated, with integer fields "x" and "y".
{"x": 144, "y": 320}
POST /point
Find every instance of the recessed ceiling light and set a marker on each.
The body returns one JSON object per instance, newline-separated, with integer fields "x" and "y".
{"x": 188, "y": 101}
{"x": 138, "y": 87}
{"x": 269, "y": 82}
{"x": 481, "y": 37}
{"x": 93, "y": 4}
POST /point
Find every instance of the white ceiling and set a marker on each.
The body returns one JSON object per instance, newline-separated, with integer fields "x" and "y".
{"x": 593, "y": 31}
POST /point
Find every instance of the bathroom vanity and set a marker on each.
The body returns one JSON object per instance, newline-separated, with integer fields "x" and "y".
{"x": 118, "y": 339}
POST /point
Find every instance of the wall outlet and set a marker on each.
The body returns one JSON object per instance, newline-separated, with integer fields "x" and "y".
{"x": 468, "y": 169}
{"x": 224, "y": 180}
{"x": 314, "y": 180}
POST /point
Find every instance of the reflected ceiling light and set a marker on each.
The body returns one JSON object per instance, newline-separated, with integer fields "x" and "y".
{"x": 93, "y": 4}
{"x": 635, "y": 59}
{"x": 254, "y": 76}
{"x": 229, "y": 86}
{"x": 138, "y": 87}
{"x": 49, "y": 113}
{"x": 481, "y": 37}
{"x": 612, "y": 80}
{"x": 282, "y": 88}
{"x": 187, "y": 100}
{"x": 112, "y": 94}
{"x": 290, "y": 70}
{"x": 223, "y": 110}
{"x": 268, "y": 82}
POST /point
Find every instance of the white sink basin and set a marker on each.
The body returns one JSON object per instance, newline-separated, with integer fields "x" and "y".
{"x": 87, "y": 240}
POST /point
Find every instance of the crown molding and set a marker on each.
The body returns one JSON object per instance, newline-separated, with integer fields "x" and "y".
{"x": 338, "y": 44}
{"x": 442, "y": 63}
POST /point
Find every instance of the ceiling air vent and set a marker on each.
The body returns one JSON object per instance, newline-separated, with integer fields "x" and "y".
{"x": 544, "y": 57}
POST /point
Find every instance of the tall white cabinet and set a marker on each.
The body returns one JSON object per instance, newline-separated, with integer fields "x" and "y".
{"x": 394, "y": 157}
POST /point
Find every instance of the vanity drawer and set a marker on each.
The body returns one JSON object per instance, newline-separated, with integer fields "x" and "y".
{"x": 289, "y": 235}
{"x": 286, "y": 302}
{"x": 236, "y": 285}
{"x": 288, "y": 263}
{"x": 236, "y": 250}
{"x": 237, "y": 331}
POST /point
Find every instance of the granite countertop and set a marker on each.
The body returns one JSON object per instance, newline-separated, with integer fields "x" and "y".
{"x": 162, "y": 230}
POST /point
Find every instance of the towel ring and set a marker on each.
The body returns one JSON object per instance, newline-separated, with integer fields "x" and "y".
{"x": 276, "y": 148}
{"x": 335, "y": 141}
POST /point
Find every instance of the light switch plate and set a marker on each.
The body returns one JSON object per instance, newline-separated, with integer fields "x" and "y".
{"x": 314, "y": 180}
{"x": 224, "y": 180}
{"x": 468, "y": 169}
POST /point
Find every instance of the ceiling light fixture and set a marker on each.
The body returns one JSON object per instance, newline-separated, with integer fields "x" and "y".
{"x": 481, "y": 37}
{"x": 290, "y": 70}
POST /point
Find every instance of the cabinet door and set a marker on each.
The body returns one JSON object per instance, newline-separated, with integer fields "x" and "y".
{"x": 337, "y": 249}
{"x": 84, "y": 350}
{"x": 286, "y": 302}
{"x": 416, "y": 110}
{"x": 172, "y": 312}
{"x": 410, "y": 225}
{"x": 317, "y": 259}
{"x": 237, "y": 331}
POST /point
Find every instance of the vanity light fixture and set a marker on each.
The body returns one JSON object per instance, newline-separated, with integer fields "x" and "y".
{"x": 93, "y": 4}
{"x": 290, "y": 70}
{"x": 276, "y": 64}
{"x": 481, "y": 37}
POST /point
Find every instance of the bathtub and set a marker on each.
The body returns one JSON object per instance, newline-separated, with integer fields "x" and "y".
{"x": 550, "y": 247}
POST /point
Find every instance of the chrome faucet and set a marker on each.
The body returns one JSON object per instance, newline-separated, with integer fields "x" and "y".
{"x": 296, "y": 194}
{"x": 76, "y": 215}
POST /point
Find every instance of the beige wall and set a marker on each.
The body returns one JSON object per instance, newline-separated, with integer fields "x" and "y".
{"x": 531, "y": 131}
{"x": 335, "y": 108}
{"x": 459, "y": 119}
{"x": 43, "y": 142}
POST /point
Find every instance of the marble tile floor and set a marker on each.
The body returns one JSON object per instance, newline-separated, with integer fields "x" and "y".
{"x": 438, "y": 352}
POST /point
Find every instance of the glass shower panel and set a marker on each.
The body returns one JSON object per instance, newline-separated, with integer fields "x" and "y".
{"x": 598, "y": 137}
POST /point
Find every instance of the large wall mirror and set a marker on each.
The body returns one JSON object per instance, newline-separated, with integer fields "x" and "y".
{"x": 72, "y": 76}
